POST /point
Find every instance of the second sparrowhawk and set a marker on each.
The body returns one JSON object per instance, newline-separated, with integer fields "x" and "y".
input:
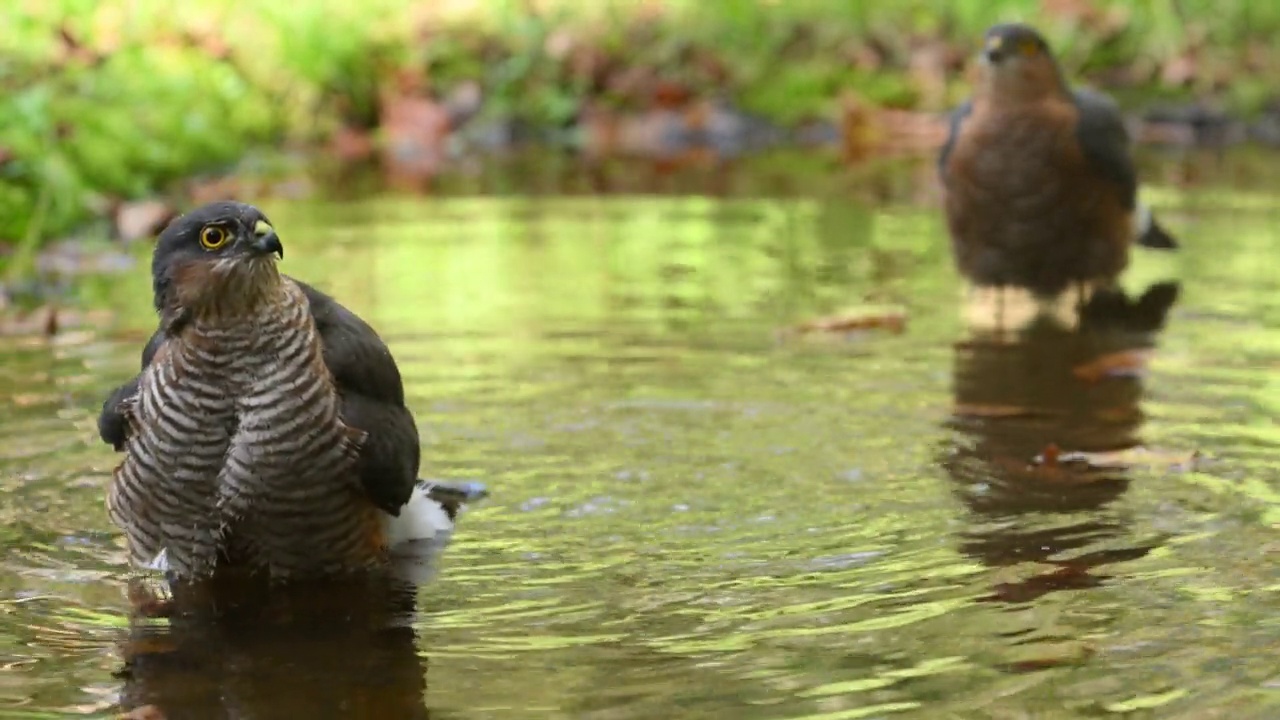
{"x": 1040, "y": 190}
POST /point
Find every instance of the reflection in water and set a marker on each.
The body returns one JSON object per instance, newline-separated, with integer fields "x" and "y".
{"x": 341, "y": 650}
{"x": 691, "y": 519}
{"x": 1025, "y": 394}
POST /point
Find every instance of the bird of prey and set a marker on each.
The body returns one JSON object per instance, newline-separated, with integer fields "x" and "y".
{"x": 267, "y": 428}
{"x": 1040, "y": 190}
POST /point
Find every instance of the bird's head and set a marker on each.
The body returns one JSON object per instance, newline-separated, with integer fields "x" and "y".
{"x": 220, "y": 257}
{"x": 1016, "y": 65}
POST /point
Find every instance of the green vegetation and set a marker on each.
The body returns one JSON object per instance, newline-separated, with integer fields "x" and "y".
{"x": 107, "y": 100}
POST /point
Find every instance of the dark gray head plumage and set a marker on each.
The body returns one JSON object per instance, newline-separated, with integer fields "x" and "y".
{"x": 225, "y": 230}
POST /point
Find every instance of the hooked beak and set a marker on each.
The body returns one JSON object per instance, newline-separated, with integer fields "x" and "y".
{"x": 265, "y": 241}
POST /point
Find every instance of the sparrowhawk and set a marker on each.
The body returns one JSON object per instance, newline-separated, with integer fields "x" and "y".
{"x": 267, "y": 428}
{"x": 1040, "y": 190}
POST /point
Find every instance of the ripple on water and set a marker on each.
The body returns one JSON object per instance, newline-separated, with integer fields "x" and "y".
{"x": 688, "y": 517}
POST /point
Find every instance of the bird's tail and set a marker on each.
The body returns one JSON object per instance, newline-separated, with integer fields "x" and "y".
{"x": 1151, "y": 234}
{"x": 432, "y": 510}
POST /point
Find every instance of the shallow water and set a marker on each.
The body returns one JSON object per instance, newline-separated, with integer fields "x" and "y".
{"x": 694, "y": 514}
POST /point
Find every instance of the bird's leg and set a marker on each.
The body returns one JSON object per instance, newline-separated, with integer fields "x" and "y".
{"x": 999, "y": 289}
{"x": 149, "y": 593}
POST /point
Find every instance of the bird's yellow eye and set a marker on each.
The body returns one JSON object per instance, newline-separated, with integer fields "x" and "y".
{"x": 1028, "y": 47}
{"x": 213, "y": 237}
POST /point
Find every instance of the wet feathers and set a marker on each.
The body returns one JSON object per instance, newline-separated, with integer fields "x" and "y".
{"x": 267, "y": 428}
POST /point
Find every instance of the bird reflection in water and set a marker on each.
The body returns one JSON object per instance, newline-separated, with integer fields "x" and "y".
{"x": 238, "y": 649}
{"x": 1033, "y": 385}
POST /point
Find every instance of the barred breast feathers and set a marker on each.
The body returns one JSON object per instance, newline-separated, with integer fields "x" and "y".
{"x": 236, "y": 444}
{"x": 289, "y": 488}
{"x": 162, "y": 493}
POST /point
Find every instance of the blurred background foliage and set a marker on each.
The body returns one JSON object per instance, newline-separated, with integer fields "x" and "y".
{"x": 106, "y": 101}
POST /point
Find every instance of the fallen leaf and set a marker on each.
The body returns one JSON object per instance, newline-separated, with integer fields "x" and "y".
{"x": 26, "y": 324}
{"x": 858, "y": 128}
{"x": 414, "y": 129}
{"x": 350, "y": 144}
{"x": 559, "y": 44}
{"x": 992, "y": 411}
{"x": 927, "y": 69}
{"x": 1180, "y": 70}
{"x": 1117, "y": 364}
{"x": 26, "y": 400}
{"x": 1041, "y": 584}
{"x": 48, "y": 320}
{"x": 136, "y": 220}
{"x": 1123, "y": 413}
{"x": 1119, "y": 459}
{"x": 207, "y": 190}
{"x": 207, "y": 41}
{"x": 866, "y": 130}
{"x": 70, "y": 48}
{"x": 1050, "y": 456}
{"x": 669, "y": 95}
{"x": 144, "y": 712}
{"x": 1046, "y": 656}
{"x": 894, "y": 321}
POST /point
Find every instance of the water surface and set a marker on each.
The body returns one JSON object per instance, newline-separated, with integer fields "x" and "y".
{"x": 696, "y": 514}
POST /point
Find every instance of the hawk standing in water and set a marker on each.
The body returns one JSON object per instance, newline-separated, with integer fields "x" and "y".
{"x": 1040, "y": 189}
{"x": 267, "y": 428}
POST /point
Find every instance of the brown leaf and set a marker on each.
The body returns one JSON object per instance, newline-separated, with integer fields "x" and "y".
{"x": 144, "y": 712}
{"x": 26, "y": 400}
{"x": 859, "y": 128}
{"x": 1049, "y": 458}
{"x": 1041, "y": 584}
{"x": 38, "y": 322}
{"x": 927, "y": 68}
{"x": 559, "y": 44}
{"x": 1123, "y": 363}
{"x": 207, "y": 190}
{"x": 207, "y": 41}
{"x": 415, "y": 128}
{"x": 1133, "y": 457}
{"x": 142, "y": 219}
{"x": 1124, "y": 458}
{"x": 1181, "y": 70}
{"x": 893, "y": 321}
{"x": 992, "y": 411}
{"x": 350, "y": 144}
{"x": 669, "y": 94}
{"x": 1077, "y": 11}
{"x": 71, "y": 48}
{"x": 866, "y": 130}
{"x": 863, "y": 56}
